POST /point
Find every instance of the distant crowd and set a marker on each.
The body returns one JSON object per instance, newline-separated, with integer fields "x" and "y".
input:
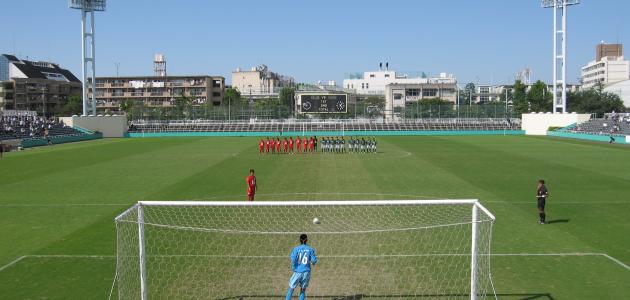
{"x": 312, "y": 144}
{"x": 26, "y": 126}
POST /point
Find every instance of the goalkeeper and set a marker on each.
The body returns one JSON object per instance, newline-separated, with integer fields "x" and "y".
{"x": 302, "y": 257}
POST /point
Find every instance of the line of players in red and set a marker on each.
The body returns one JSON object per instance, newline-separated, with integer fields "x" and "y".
{"x": 287, "y": 145}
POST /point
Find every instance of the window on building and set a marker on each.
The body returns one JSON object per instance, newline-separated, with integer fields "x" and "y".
{"x": 196, "y": 91}
{"x": 412, "y": 92}
{"x": 362, "y": 85}
{"x": 429, "y": 93}
{"x": 216, "y": 94}
{"x": 398, "y": 96}
{"x": 386, "y": 75}
{"x": 372, "y": 75}
{"x": 367, "y": 86}
{"x": 216, "y": 83}
{"x": 447, "y": 92}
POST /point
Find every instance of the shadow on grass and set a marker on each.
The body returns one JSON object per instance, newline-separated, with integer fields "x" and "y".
{"x": 558, "y": 221}
{"x": 523, "y": 296}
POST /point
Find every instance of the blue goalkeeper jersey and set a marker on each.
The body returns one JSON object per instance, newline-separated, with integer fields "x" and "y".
{"x": 302, "y": 257}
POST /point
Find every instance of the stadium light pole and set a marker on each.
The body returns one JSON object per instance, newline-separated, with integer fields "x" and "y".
{"x": 559, "y": 55}
{"x": 88, "y": 53}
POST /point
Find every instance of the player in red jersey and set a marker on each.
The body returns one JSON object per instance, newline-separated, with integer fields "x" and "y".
{"x": 278, "y": 144}
{"x": 285, "y": 145}
{"x": 291, "y": 145}
{"x": 298, "y": 144}
{"x": 267, "y": 145}
{"x": 261, "y": 146}
{"x": 251, "y": 185}
{"x": 305, "y": 144}
{"x": 311, "y": 144}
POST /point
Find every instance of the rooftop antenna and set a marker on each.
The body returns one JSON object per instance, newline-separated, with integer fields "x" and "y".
{"x": 88, "y": 7}
{"x": 559, "y": 55}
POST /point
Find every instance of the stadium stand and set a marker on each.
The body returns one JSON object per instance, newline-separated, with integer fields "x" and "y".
{"x": 619, "y": 125}
{"x": 476, "y": 124}
{"x": 23, "y": 127}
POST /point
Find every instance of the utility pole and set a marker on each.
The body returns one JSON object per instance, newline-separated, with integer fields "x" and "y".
{"x": 506, "y": 102}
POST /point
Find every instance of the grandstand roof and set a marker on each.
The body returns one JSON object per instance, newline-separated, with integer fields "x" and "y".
{"x": 41, "y": 70}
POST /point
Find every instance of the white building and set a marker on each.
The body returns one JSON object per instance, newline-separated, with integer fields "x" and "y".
{"x": 259, "y": 82}
{"x": 622, "y": 89}
{"x": 375, "y": 82}
{"x": 609, "y": 67}
{"x": 402, "y": 94}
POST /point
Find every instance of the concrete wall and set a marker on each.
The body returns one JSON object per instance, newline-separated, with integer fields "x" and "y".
{"x": 113, "y": 126}
{"x": 539, "y": 123}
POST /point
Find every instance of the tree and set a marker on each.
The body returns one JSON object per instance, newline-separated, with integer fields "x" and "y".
{"x": 519, "y": 97}
{"x": 372, "y": 106}
{"x": 183, "y": 105}
{"x": 232, "y": 97}
{"x": 429, "y": 108}
{"x": 286, "y": 96}
{"x": 594, "y": 101}
{"x": 375, "y": 101}
{"x": 126, "y": 105}
{"x": 74, "y": 106}
{"x": 435, "y": 101}
{"x": 539, "y": 98}
{"x": 135, "y": 109}
{"x": 468, "y": 92}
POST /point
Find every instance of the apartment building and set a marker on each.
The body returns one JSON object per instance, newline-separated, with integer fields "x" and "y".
{"x": 157, "y": 91}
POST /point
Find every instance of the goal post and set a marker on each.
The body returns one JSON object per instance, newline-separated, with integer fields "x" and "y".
{"x": 399, "y": 249}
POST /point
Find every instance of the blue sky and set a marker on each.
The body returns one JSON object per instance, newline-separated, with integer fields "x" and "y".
{"x": 485, "y": 41}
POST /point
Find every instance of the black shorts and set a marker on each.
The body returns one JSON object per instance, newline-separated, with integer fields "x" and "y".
{"x": 541, "y": 203}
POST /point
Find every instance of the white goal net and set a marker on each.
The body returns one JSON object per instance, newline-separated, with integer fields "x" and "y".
{"x": 398, "y": 249}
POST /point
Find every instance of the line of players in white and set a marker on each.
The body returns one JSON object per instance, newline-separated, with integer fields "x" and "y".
{"x": 354, "y": 145}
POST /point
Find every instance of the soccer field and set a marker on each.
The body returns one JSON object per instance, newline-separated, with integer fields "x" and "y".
{"x": 57, "y": 204}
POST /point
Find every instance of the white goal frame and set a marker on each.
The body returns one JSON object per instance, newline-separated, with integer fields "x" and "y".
{"x": 477, "y": 208}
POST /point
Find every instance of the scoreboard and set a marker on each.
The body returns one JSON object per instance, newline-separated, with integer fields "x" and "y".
{"x": 323, "y": 103}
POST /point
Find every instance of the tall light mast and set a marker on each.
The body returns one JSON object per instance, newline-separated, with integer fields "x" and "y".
{"x": 88, "y": 7}
{"x": 559, "y": 54}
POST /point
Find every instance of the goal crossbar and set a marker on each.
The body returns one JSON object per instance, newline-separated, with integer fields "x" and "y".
{"x": 315, "y": 203}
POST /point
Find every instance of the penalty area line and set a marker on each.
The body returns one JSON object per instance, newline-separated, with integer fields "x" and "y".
{"x": 17, "y": 260}
{"x": 12, "y": 263}
{"x": 577, "y": 254}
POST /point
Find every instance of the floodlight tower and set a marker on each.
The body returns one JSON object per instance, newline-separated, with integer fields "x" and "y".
{"x": 559, "y": 55}
{"x": 88, "y": 52}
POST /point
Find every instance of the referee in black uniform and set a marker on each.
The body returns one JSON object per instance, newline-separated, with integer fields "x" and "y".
{"x": 541, "y": 195}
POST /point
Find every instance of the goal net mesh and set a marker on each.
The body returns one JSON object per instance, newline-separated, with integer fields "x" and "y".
{"x": 405, "y": 250}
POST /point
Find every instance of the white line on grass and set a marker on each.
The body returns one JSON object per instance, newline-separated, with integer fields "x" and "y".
{"x": 12, "y": 263}
{"x": 297, "y": 194}
{"x": 64, "y": 204}
{"x": 560, "y": 202}
{"x": 578, "y": 254}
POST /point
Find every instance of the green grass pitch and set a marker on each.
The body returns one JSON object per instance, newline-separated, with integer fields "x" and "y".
{"x": 57, "y": 204}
